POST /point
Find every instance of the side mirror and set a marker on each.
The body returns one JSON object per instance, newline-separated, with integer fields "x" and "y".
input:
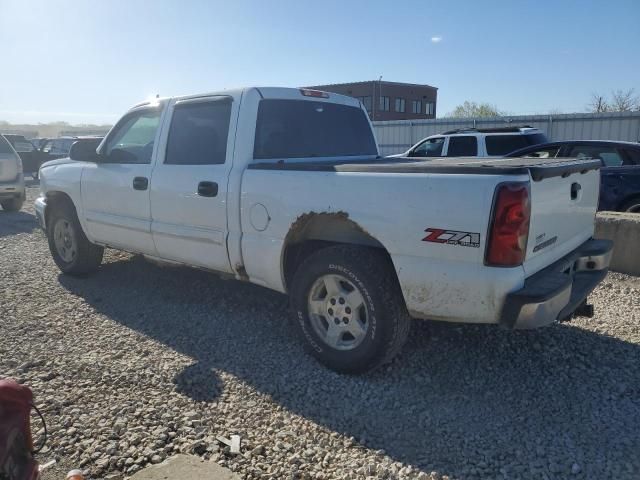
{"x": 85, "y": 151}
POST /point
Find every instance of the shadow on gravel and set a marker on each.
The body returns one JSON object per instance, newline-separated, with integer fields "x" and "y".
{"x": 460, "y": 400}
{"x": 12, "y": 223}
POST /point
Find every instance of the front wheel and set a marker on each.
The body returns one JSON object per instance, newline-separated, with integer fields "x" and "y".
{"x": 349, "y": 309}
{"x": 73, "y": 253}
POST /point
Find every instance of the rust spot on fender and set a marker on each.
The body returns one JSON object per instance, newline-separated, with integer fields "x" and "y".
{"x": 298, "y": 227}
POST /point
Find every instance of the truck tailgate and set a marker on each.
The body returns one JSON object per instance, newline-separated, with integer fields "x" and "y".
{"x": 563, "y": 210}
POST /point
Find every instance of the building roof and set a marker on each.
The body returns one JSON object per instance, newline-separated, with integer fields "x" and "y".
{"x": 383, "y": 82}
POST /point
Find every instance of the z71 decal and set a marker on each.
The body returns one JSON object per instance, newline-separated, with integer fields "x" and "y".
{"x": 452, "y": 237}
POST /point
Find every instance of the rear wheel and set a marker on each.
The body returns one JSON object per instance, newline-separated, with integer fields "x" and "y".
{"x": 12, "y": 205}
{"x": 349, "y": 309}
{"x": 71, "y": 250}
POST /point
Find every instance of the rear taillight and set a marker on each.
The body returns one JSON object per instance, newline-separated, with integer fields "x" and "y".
{"x": 509, "y": 228}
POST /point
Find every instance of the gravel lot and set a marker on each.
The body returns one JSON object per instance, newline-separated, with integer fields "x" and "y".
{"x": 139, "y": 362}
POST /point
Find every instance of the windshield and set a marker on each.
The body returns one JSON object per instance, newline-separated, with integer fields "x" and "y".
{"x": 307, "y": 129}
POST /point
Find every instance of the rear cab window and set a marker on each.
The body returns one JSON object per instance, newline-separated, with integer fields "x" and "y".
{"x": 505, "y": 144}
{"x": 311, "y": 129}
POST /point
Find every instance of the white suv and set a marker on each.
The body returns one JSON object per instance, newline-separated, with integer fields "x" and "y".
{"x": 12, "y": 192}
{"x": 476, "y": 142}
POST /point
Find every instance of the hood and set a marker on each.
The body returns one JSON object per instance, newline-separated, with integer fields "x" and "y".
{"x": 57, "y": 161}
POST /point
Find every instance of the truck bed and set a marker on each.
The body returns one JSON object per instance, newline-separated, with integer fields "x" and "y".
{"x": 539, "y": 168}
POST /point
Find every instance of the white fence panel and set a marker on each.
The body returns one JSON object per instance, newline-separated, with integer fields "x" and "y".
{"x": 397, "y": 136}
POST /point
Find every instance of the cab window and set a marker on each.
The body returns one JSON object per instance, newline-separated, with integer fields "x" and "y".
{"x": 551, "y": 152}
{"x": 608, "y": 155}
{"x": 198, "y": 133}
{"x": 431, "y": 147}
{"x": 462, "y": 146}
{"x": 132, "y": 139}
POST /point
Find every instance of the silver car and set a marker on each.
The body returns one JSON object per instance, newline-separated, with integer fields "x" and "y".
{"x": 12, "y": 191}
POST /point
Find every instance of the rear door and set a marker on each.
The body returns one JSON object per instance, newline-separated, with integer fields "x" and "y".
{"x": 189, "y": 184}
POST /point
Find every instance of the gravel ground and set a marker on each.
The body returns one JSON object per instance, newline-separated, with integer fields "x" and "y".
{"x": 139, "y": 362}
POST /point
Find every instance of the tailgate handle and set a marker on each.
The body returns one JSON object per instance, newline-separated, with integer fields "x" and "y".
{"x": 575, "y": 188}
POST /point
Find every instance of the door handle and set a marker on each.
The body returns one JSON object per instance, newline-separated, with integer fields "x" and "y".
{"x": 207, "y": 189}
{"x": 140, "y": 183}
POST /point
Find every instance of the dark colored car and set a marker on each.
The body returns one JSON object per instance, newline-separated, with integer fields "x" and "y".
{"x": 55, "y": 148}
{"x": 38, "y": 142}
{"x": 620, "y": 173}
{"x": 28, "y": 154}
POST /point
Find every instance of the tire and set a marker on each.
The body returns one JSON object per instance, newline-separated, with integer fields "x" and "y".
{"x": 13, "y": 205}
{"x": 631, "y": 206}
{"x": 73, "y": 253}
{"x": 358, "y": 339}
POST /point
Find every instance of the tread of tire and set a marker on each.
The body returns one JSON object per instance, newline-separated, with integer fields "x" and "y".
{"x": 375, "y": 265}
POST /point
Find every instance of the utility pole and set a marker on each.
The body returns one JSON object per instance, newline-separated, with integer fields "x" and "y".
{"x": 380, "y": 88}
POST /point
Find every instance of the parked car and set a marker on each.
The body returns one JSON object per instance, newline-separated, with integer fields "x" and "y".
{"x": 85, "y": 145}
{"x": 284, "y": 188}
{"x": 54, "y": 148}
{"x": 28, "y": 154}
{"x": 12, "y": 190}
{"x": 476, "y": 142}
{"x": 619, "y": 175}
{"x": 38, "y": 142}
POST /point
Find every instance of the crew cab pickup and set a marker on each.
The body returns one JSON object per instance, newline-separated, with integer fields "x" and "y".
{"x": 285, "y": 188}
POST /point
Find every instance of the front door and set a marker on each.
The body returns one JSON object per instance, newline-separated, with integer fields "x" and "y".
{"x": 115, "y": 191}
{"x": 189, "y": 184}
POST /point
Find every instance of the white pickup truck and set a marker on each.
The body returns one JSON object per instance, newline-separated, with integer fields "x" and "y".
{"x": 284, "y": 188}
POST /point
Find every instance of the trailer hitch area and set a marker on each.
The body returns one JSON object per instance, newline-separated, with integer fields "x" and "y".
{"x": 584, "y": 310}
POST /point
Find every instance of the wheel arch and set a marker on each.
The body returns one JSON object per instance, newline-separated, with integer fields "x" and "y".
{"x": 634, "y": 197}
{"x": 313, "y": 231}
{"x": 57, "y": 199}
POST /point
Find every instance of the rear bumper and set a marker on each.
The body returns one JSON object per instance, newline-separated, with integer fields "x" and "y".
{"x": 12, "y": 189}
{"x": 557, "y": 291}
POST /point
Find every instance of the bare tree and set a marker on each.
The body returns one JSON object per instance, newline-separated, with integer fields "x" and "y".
{"x": 599, "y": 104}
{"x": 625, "y": 101}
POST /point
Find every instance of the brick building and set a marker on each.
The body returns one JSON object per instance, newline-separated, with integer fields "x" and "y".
{"x": 390, "y": 100}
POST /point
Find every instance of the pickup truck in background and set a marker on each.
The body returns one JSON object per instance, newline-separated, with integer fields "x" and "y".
{"x": 284, "y": 188}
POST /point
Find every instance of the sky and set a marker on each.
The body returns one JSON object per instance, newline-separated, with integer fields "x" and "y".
{"x": 89, "y": 61}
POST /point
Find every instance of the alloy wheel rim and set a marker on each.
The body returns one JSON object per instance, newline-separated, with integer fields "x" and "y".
{"x": 64, "y": 240}
{"x": 338, "y": 312}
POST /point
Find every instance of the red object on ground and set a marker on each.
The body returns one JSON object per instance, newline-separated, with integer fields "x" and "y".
{"x": 16, "y": 443}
